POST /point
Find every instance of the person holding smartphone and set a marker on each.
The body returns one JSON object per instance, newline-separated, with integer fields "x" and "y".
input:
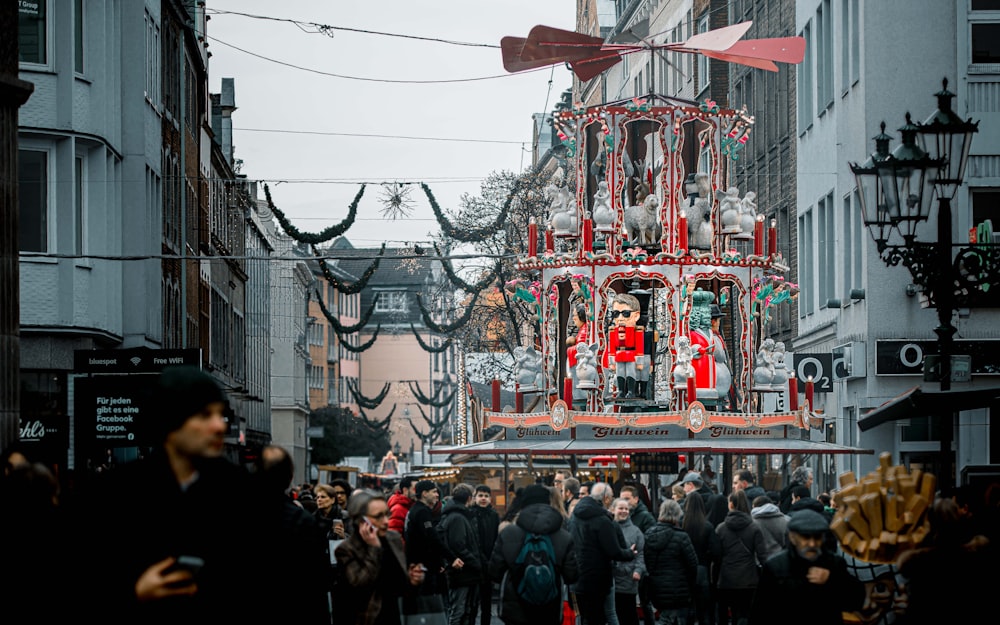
{"x": 157, "y": 537}
{"x": 371, "y": 565}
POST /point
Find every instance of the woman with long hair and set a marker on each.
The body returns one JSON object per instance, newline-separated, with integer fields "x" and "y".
{"x": 743, "y": 553}
{"x": 708, "y": 549}
{"x": 329, "y": 511}
{"x": 371, "y": 565}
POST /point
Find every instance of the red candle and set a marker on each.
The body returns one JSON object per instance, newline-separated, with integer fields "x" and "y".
{"x": 793, "y": 394}
{"x": 568, "y": 390}
{"x": 682, "y": 233}
{"x": 758, "y": 236}
{"x": 692, "y": 389}
{"x": 772, "y": 239}
{"x": 518, "y": 402}
{"x": 532, "y": 238}
{"x": 809, "y": 393}
{"x": 550, "y": 244}
{"x": 496, "y": 395}
{"x": 588, "y": 235}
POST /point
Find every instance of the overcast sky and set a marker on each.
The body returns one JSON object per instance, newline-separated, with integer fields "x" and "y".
{"x": 492, "y": 117}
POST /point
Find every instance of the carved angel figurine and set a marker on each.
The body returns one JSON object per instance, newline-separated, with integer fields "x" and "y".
{"x": 748, "y": 212}
{"x": 763, "y": 372}
{"x": 683, "y": 369}
{"x": 586, "y": 366}
{"x": 780, "y": 377}
{"x": 730, "y": 209}
{"x": 527, "y": 369}
{"x": 604, "y": 217}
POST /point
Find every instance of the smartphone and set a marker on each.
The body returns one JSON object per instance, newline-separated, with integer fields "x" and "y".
{"x": 192, "y": 564}
{"x": 370, "y": 524}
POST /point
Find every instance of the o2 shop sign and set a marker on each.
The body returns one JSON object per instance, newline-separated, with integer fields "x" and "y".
{"x": 819, "y": 367}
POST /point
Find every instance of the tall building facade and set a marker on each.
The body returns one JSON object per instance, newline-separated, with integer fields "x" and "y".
{"x": 851, "y": 304}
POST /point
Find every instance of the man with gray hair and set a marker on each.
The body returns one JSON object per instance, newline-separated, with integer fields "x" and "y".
{"x": 596, "y": 537}
{"x": 801, "y": 476}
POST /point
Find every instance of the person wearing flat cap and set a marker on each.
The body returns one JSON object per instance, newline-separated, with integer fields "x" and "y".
{"x": 140, "y": 518}
{"x": 805, "y": 582}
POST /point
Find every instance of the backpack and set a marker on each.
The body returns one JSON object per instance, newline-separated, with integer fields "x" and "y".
{"x": 538, "y": 583}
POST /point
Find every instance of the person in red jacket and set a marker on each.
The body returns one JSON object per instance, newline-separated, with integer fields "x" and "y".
{"x": 400, "y": 502}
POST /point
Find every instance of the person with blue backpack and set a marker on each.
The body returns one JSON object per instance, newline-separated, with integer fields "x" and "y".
{"x": 533, "y": 560}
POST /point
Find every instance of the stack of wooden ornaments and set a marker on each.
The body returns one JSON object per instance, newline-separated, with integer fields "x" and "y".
{"x": 883, "y": 514}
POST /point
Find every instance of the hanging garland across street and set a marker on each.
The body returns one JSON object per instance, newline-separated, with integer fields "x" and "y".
{"x": 327, "y": 233}
{"x": 476, "y": 235}
{"x": 431, "y": 401}
{"x": 434, "y": 426}
{"x": 377, "y": 425}
{"x": 341, "y": 329}
{"x": 484, "y": 282}
{"x": 363, "y": 346}
{"x": 354, "y": 287}
{"x": 429, "y": 348}
{"x": 448, "y": 327}
{"x": 366, "y": 402}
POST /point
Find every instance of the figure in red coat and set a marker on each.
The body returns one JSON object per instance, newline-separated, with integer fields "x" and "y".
{"x": 625, "y": 343}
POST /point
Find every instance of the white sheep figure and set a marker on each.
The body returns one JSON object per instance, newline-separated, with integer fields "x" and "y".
{"x": 642, "y": 223}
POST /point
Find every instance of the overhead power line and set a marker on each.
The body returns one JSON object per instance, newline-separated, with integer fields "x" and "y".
{"x": 326, "y": 29}
{"x": 365, "y": 79}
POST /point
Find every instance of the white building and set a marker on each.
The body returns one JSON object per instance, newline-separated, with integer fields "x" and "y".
{"x": 855, "y": 76}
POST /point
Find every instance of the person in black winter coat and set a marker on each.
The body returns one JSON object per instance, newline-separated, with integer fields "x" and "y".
{"x": 459, "y": 535}
{"x": 715, "y": 504}
{"x": 743, "y": 550}
{"x": 539, "y": 517}
{"x": 804, "y": 582}
{"x": 488, "y": 526}
{"x": 672, "y": 565}
{"x": 743, "y": 480}
{"x": 596, "y": 537}
{"x": 708, "y": 548}
{"x": 423, "y": 543}
{"x": 801, "y": 476}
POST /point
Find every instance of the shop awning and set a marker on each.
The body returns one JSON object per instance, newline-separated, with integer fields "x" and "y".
{"x": 692, "y": 445}
{"x": 919, "y": 402}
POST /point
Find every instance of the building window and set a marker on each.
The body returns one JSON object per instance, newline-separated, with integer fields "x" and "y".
{"x": 986, "y": 205}
{"x": 845, "y": 45}
{"x": 854, "y": 250}
{"x": 32, "y": 31}
{"x": 855, "y": 41}
{"x": 804, "y": 86}
{"x": 703, "y": 77}
{"x": 78, "y": 36}
{"x": 985, "y": 43}
{"x": 986, "y": 5}
{"x": 806, "y": 262}
{"x": 824, "y": 56}
{"x": 391, "y": 301}
{"x": 827, "y": 252}
{"x": 79, "y": 207}
{"x": 33, "y": 200}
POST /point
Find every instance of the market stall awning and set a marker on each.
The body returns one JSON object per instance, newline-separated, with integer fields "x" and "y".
{"x": 691, "y": 445}
{"x": 918, "y": 402}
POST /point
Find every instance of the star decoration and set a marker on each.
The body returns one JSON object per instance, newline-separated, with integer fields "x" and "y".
{"x": 396, "y": 202}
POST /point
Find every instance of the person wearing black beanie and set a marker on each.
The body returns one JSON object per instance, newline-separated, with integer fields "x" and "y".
{"x": 171, "y": 506}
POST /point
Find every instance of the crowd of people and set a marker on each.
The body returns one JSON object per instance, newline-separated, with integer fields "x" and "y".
{"x": 183, "y": 534}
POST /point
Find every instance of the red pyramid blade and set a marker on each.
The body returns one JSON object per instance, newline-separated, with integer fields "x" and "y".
{"x": 559, "y": 45}
{"x": 585, "y": 69}
{"x": 510, "y": 49}
{"x": 780, "y": 49}
{"x": 719, "y": 39}
{"x": 742, "y": 60}
{"x": 546, "y": 45}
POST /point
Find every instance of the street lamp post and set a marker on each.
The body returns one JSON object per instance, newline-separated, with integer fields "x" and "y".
{"x": 896, "y": 190}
